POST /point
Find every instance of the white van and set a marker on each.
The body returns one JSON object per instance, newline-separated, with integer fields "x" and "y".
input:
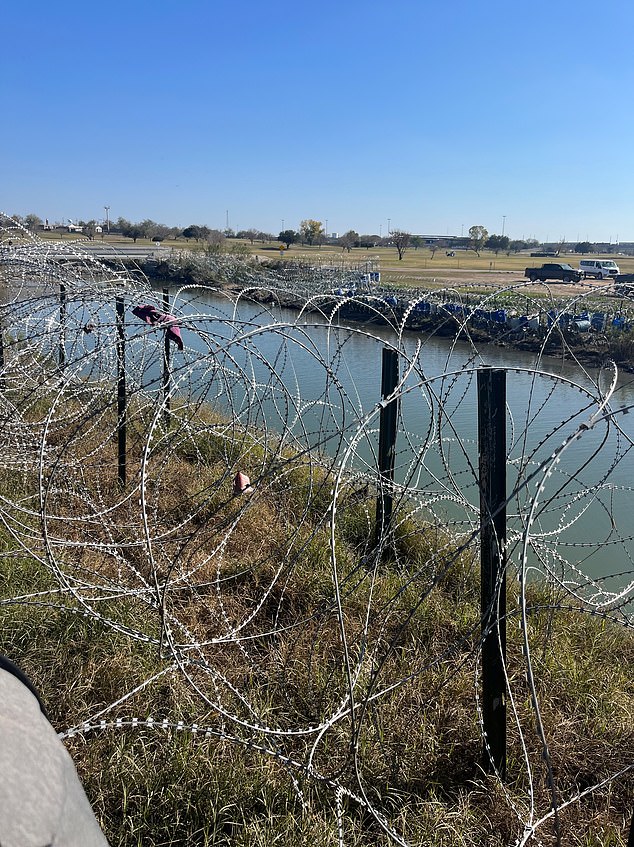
{"x": 598, "y": 268}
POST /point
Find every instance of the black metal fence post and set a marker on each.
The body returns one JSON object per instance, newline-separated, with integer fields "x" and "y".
{"x": 121, "y": 392}
{"x": 62, "y": 325}
{"x": 492, "y": 451}
{"x": 166, "y": 363}
{"x": 2, "y": 383}
{"x": 387, "y": 441}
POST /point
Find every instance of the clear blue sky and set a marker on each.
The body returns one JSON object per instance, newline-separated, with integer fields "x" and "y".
{"x": 434, "y": 115}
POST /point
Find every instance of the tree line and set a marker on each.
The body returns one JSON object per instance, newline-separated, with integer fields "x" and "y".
{"x": 311, "y": 232}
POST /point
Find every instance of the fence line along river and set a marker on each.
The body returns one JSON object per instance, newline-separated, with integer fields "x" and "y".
{"x": 275, "y": 393}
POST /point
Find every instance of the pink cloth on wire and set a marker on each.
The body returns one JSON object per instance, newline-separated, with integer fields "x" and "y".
{"x": 242, "y": 484}
{"x": 152, "y": 316}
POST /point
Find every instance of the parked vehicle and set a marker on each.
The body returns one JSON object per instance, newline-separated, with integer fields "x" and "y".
{"x": 624, "y": 285}
{"x": 554, "y": 270}
{"x": 598, "y": 268}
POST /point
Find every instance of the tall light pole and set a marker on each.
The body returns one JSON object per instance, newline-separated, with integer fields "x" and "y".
{"x": 326, "y": 227}
{"x": 107, "y": 209}
{"x": 389, "y": 220}
{"x": 503, "y": 223}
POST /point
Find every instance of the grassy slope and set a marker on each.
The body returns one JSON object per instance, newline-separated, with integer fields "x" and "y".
{"x": 418, "y": 744}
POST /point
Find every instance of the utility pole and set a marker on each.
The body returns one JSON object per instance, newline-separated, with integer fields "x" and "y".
{"x": 389, "y": 221}
{"x": 107, "y": 208}
{"x": 503, "y": 223}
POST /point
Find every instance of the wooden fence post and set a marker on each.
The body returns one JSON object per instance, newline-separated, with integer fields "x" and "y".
{"x": 492, "y": 453}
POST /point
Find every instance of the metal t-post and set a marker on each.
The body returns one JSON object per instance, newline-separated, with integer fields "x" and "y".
{"x": 62, "y": 325}
{"x": 387, "y": 442}
{"x": 121, "y": 393}
{"x": 166, "y": 363}
{"x": 2, "y": 384}
{"x": 492, "y": 450}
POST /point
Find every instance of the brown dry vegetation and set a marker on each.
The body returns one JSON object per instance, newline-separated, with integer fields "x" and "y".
{"x": 264, "y": 562}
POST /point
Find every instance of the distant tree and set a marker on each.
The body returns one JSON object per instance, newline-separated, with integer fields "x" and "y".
{"x": 90, "y": 228}
{"x": 122, "y": 225}
{"x": 148, "y": 227}
{"x": 247, "y": 234}
{"x": 477, "y": 238}
{"x": 288, "y": 237}
{"x": 311, "y": 231}
{"x": 33, "y": 222}
{"x": 349, "y": 240}
{"x": 433, "y": 247}
{"x": 497, "y": 243}
{"x": 128, "y": 229}
{"x": 368, "y": 241}
{"x": 160, "y": 232}
{"x": 265, "y": 236}
{"x": 400, "y": 240}
{"x": 517, "y": 245}
{"x": 214, "y": 238}
{"x": 584, "y": 247}
{"x": 194, "y": 231}
{"x": 416, "y": 241}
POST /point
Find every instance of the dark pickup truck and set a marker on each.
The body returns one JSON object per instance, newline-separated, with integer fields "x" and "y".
{"x": 554, "y": 270}
{"x": 624, "y": 285}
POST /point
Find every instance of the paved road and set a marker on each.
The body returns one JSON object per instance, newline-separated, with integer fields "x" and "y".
{"x": 106, "y": 251}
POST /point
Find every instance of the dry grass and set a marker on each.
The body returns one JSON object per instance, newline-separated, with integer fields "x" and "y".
{"x": 264, "y": 563}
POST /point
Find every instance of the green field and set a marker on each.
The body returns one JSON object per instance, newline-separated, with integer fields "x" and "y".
{"x": 417, "y": 268}
{"x": 421, "y": 262}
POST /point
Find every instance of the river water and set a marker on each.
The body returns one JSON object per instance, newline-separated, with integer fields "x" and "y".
{"x": 320, "y": 382}
{"x": 317, "y": 383}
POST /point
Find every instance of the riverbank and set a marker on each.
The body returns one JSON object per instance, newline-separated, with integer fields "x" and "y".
{"x": 233, "y": 669}
{"x": 239, "y": 668}
{"x": 583, "y": 323}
